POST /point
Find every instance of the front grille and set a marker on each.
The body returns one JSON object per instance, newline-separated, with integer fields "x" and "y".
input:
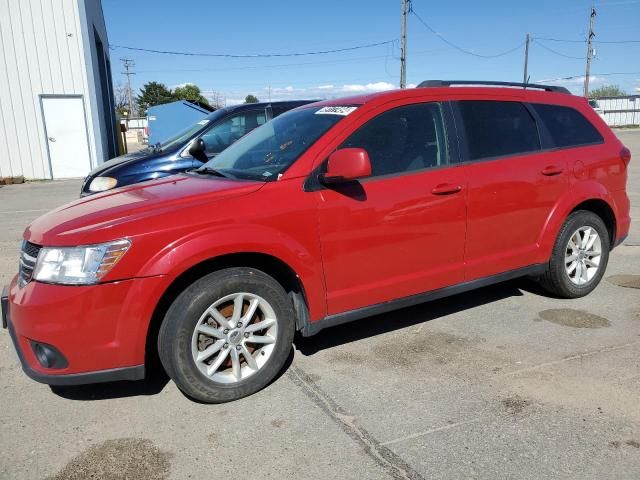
{"x": 28, "y": 258}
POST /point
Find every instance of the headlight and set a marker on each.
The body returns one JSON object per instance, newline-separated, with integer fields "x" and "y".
{"x": 78, "y": 265}
{"x": 100, "y": 184}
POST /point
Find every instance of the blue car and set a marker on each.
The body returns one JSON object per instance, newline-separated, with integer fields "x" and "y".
{"x": 189, "y": 149}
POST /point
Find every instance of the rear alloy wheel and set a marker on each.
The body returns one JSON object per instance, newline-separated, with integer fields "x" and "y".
{"x": 582, "y": 255}
{"x": 579, "y": 256}
{"x": 227, "y": 335}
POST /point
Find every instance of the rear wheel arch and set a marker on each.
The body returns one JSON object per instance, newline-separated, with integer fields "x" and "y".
{"x": 589, "y": 196}
{"x": 601, "y": 208}
{"x": 276, "y": 268}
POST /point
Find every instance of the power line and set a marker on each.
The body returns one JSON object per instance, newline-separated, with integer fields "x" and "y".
{"x": 557, "y": 53}
{"x": 460, "y": 49}
{"x": 572, "y": 77}
{"x": 564, "y": 40}
{"x": 256, "y": 55}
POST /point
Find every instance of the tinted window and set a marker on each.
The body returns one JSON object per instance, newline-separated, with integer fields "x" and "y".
{"x": 567, "y": 126}
{"x": 225, "y": 133}
{"x": 403, "y": 139}
{"x": 496, "y": 129}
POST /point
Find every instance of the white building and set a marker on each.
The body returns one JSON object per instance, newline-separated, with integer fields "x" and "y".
{"x": 56, "y": 104}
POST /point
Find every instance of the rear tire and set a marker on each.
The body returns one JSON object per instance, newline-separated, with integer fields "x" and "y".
{"x": 579, "y": 257}
{"x": 227, "y": 335}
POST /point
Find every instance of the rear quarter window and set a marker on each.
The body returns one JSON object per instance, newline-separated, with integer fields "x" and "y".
{"x": 498, "y": 128}
{"x": 567, "y": 126}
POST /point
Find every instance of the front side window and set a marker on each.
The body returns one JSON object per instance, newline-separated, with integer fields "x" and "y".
{"x": 404, "y": 139}
{"x": 496, "y": 129}
{"x": 232, "y": 129}
{"x": 567, "y": 126}
{"x": 270, "y": 149}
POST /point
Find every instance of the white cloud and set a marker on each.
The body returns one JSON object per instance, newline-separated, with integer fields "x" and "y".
{"x": 574, "y": 84}
{"x": 319, "y": 92}
{"x": 369, "y": 87}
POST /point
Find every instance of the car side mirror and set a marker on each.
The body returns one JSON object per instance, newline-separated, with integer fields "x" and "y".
{"x": 346, "y": 165}
{"x": 198, "y": 150}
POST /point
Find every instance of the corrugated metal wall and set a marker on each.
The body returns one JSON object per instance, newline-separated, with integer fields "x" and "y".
{"x": 41, "y": 52}
{"x": 621, "y": 111}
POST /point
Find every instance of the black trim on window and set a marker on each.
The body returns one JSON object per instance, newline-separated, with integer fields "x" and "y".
{"x": 313, "y": 183}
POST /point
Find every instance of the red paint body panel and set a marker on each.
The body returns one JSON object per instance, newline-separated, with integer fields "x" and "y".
{"x": 394, "y": 239}
{"x": 96, "y": 327}
{"x": 508, "y": 204}
{"x": 386, "y": 238}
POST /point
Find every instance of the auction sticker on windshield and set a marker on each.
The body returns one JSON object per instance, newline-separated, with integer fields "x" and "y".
{"x": 336, "y": 110}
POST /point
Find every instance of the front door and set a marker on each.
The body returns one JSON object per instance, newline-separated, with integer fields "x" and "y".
{"x": 66, "y": 131}
{"x": 401, "y": 231}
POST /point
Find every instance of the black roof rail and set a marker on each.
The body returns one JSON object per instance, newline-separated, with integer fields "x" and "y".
{"x": 448, "y": 83}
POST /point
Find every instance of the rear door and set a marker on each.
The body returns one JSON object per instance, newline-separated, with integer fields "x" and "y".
{"x": 401, "y": 231}
{"x": 513, "y": 185}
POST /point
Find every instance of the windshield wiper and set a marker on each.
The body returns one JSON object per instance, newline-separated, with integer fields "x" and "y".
{"x": 209, "y": 171}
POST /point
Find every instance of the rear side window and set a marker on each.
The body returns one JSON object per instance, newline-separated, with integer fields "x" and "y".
{"x": 496, "y": 129}
{"x": 567, "y": 126}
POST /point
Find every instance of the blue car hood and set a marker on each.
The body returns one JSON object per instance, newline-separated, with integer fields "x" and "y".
{"x": 145, "y": 154}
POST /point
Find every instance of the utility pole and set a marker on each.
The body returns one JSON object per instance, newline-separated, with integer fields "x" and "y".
{"x": 526, "y": 60}
{"x": 403, "y": 46}
{"x": 590, "y": 51}
{"x": 128, "y": 64}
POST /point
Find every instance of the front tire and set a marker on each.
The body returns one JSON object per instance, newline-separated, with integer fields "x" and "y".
{"x": 579, "y": 257}
{"x": 227, "y": 335}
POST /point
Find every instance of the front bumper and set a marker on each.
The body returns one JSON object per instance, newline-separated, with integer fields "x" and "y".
{"x": 99, "y": 330}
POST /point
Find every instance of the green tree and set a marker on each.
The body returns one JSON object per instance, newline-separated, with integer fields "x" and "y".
{"x": 607, "y": 91}
{"x": 190, "y": 92}
{"x": 153, "y": 93}
{"x": 251, "y": 99}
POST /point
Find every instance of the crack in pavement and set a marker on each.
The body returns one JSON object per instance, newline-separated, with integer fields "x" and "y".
{"x": 572, "y": 357}
{"x": 395, "y": 466}
{"x": 428, "y": 432}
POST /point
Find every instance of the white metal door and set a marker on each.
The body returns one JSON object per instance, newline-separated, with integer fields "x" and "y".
{"x": 66, "y": 136}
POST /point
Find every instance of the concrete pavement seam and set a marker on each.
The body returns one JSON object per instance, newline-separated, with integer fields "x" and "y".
{"x": 395, "y": 466}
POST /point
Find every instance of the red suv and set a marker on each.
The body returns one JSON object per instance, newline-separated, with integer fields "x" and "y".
{"x": 332, "y": 212}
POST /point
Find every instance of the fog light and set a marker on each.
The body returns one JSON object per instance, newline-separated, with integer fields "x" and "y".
{"x": 48, "y": 356}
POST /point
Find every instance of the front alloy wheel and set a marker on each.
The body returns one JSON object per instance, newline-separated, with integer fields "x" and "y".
{"x": 227, "y": 335}
{"x": 234, "y": 337}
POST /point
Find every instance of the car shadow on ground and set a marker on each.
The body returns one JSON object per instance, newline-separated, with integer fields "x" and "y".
{"x": 152, "y": 385}
{"x": 415, "y": 315}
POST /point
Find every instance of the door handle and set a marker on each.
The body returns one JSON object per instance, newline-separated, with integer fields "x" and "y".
{"x": 551, "y": 170}
{"x": 446, "y": 189}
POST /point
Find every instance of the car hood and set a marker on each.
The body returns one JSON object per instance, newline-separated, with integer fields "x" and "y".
{"x": 145, "y": 154}
{"x": 122, "y": 212}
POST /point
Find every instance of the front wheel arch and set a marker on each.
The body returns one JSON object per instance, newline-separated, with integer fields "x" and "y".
{"x": 272, "y": 266}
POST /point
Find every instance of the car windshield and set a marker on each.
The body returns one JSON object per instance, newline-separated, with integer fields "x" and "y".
{"x": 186, "y": 134}
{"x": 270, "y": 149}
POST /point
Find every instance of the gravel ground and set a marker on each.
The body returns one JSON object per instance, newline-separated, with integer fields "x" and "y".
{"x": 503, "y": 382}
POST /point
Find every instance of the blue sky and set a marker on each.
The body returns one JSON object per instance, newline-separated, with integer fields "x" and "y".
{"x": 267, "y": 27}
